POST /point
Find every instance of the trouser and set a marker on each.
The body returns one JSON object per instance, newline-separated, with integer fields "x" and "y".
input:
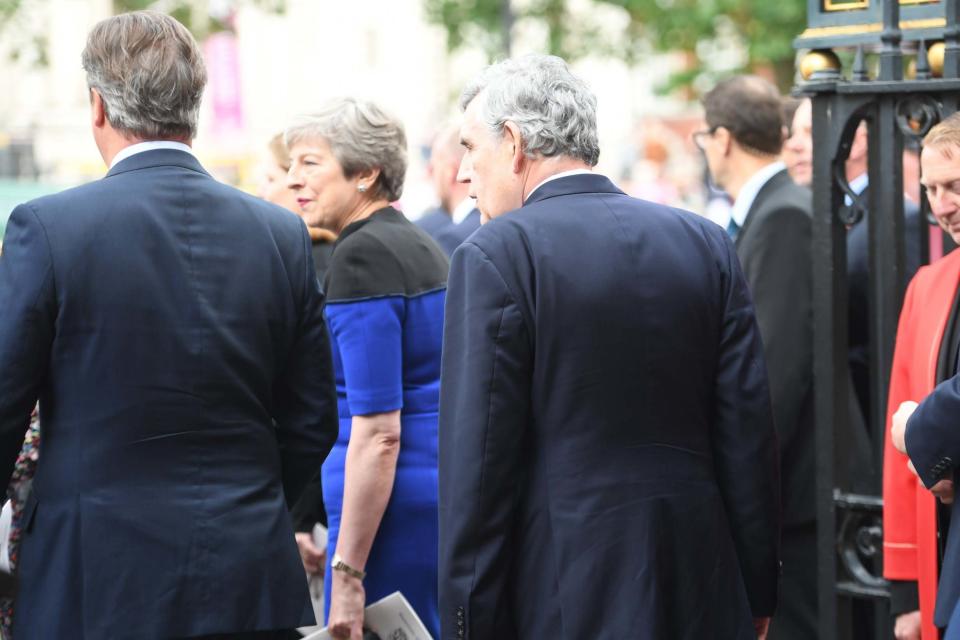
{"x": 796, "y": 615}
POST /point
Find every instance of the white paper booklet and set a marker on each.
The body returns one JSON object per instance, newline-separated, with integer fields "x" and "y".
{"x": 391, "y": 618}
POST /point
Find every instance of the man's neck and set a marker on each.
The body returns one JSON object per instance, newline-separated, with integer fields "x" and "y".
{"x": 541, "y": 169}
{"x": 854, "y": 169}
{"x": 111, "y": 145}
{"x": 744, "y": 168}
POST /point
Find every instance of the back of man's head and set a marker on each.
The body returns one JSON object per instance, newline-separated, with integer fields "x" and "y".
{"x": 751, "y": 109}
{"x": 555, "y": 110}
{"x": 945, "y": 137}
{"x": 149, "y": 72}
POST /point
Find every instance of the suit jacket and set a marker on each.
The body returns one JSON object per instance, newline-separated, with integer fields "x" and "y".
{"x": 452, "y": 236}
{"x": 608, "y": 466}
{"x": 171, "y": 327}
{"x": 909, "y": 514}
{"x": 774, "y": 249}
{"x": 433, "y": 221}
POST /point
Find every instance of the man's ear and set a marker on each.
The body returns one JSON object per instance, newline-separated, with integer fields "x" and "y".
{"x": 98, "y": 112}
{"x": 511, "y": 136}
{"x": 724, "y": 140}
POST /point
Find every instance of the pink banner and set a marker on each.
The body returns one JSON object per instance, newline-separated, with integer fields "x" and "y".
{"x": 223, "y": 83}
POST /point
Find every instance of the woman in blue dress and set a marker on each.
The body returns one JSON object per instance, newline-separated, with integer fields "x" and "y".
{"x": 386, "y": 286}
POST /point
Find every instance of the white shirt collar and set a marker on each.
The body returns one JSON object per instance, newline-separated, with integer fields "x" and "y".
{"x": 748, "y": 193}
{"x": 562, "y": 174}
{"x": 140, "y": 147}
{"x": 858, "y": 184}
{"x": 462, "y": 210}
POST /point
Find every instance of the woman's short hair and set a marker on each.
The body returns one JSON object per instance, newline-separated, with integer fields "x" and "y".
{"x": 149, "y": 73}
{"x": 361, "y": 136}
{"x": 555, "y": 110}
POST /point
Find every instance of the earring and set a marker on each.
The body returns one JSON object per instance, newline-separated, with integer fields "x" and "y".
{"x": 361, "y": 188}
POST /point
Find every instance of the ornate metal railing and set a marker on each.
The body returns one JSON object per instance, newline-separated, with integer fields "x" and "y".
{"x": 895, "y": 109}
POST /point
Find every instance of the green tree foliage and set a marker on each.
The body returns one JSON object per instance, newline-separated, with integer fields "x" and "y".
{"x": 488, "y": 24}
{"x": 765, "y": 29}
{"x": 195, "y": 14}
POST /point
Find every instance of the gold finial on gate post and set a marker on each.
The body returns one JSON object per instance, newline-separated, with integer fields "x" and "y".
{"x": 819, "y": 61}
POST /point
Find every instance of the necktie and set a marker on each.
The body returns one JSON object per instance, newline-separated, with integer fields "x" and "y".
{"x": 733, "y": 228}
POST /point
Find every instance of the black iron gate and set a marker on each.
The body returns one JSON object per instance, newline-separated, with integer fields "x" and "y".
{"x": 881, "y": 39}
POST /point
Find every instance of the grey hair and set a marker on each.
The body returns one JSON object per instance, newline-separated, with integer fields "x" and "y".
{"x": 149, "y": 73}
{"x": 361, "y": 136}
{"x": 555, "y": 110}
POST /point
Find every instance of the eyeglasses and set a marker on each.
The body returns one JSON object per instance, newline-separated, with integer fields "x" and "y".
{"x": 698, "y": 136}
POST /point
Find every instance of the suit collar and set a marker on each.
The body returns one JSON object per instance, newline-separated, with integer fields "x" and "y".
{"x": 773, "y": 184}
{"x": 750, "y": 191}
{"x": 573, "y": 184}
{"x": 157, "y": 158}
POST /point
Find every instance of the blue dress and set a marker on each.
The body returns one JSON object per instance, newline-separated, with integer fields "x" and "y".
{"x": 385, "y": 294}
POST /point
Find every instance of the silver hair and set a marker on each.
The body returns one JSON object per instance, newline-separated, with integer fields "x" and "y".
{"x": 555, "y": 110}
{"x": 361, "y": 136}
{"x": 149, "y": 73}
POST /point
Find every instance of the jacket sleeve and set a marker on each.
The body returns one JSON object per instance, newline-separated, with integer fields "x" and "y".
{"x": 305, "y": 400}
{"x": 781, "y": 281}
{"x": 28, "y": 310}
{"x": 932, "y": 437}
{"x": 745, "y": 444}
{"x": 484, "y": 413}
{"x": 899, "y": 484}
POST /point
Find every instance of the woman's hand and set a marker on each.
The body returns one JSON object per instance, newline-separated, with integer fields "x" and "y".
{"x": 346, "y": 607}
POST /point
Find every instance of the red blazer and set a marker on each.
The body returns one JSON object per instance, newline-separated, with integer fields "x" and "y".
{"x": 909, "y": 514}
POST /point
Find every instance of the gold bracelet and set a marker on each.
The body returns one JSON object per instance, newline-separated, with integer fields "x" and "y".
{"x": 337, "y": 564}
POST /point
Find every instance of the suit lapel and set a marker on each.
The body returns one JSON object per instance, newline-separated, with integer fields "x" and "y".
{"x": 766, "y": 191}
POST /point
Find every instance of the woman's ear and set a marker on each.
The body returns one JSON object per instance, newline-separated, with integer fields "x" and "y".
{"x": 367, "y": 178}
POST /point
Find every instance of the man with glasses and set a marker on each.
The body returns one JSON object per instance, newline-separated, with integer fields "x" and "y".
{"x": 771, "y": 221}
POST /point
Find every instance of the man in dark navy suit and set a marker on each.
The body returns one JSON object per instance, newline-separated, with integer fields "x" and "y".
{"x": 928, "y": 434}
{"x": 608, "y": 465}
{"x": 171, "y": 328}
